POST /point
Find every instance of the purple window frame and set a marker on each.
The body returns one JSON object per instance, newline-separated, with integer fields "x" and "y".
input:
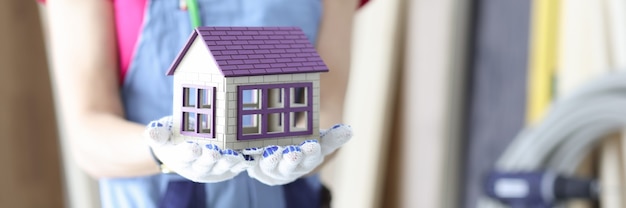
{"x": 264, "y": 111}
{"x": 197, "y": 110}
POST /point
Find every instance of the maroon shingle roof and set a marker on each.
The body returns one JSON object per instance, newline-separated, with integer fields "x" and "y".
{"x": 249, "y": 51}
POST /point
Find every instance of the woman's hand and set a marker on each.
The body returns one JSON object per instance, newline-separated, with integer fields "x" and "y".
{"x": 196, "y": 161}
{"x": 272, "y": 165}
{"x": 281, "y": 165}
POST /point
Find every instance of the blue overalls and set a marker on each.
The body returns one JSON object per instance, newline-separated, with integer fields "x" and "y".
{"x": 147, "y": 95}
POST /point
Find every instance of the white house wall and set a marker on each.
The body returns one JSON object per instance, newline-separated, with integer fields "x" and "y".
{"x": 198, "y": 67}
{"x": 233, "y": 82}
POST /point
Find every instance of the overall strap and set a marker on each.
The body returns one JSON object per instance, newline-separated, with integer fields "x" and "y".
{"x": 184, "y": 194}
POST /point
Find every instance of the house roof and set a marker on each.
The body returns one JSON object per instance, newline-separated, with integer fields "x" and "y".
{"x": 249, "y": 51}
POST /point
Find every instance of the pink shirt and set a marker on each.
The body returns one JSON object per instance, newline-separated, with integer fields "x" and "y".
{"x": 128, "y": 19}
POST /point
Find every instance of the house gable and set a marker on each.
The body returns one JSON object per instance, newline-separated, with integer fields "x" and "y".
{"x": 197, "y": 58}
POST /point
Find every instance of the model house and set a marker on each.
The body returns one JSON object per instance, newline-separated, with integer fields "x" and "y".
{"x": 240, "y": 87}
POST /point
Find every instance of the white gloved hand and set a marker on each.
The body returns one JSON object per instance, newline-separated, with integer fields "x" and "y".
{"x": 281, "y": 165}
{"x": 196, "y": 161}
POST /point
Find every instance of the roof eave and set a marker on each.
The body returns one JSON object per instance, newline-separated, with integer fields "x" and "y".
{"x": 228, "y": 75}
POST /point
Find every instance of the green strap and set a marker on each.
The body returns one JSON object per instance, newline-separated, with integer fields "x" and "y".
{"x": 194, "y": 13}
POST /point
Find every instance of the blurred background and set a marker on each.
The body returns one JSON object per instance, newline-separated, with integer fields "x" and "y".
{"x": 439, "y": 92}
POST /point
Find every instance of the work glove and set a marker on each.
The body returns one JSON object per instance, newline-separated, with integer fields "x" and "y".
{"x": 271, "y": 165}
{"x": 194, "y": 160}
{"x": 281, "y": 165}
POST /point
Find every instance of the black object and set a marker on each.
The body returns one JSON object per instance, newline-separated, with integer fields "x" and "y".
{"x": 538, "y": 189}
{"x": 496, "y": 87}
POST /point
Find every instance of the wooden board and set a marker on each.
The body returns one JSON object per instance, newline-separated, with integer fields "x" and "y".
{"x": 31, "y": 174}
{"x": 431, "y": 98}
{"x": 356, "y": 175}
{"x": 611, "y": 173}
{"x": 543, "y": 57}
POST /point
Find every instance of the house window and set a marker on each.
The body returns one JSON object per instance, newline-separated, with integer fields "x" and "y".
{"x": 198, "y": 111}
{"x": 274, "y": 110}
